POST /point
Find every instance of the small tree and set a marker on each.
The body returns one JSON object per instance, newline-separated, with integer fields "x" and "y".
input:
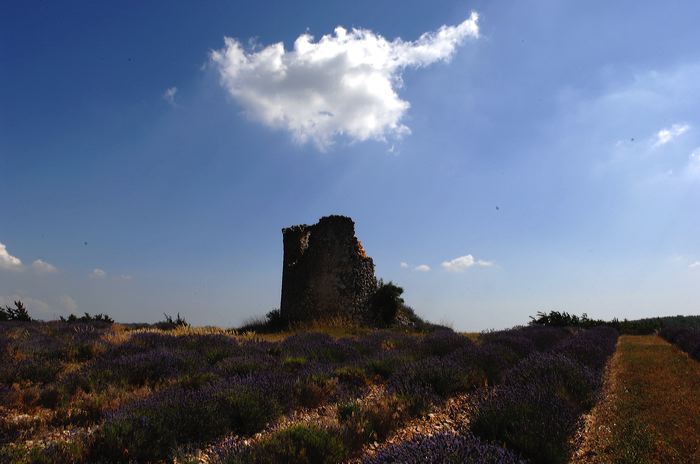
{"x": 18, "y": 313}
{"x": 386, "y": 302}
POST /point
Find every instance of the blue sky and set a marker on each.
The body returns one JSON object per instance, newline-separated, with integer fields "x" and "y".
{"x": 543, "y": 156}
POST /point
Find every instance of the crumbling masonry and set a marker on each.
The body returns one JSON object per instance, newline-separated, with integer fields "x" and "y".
{"x": 326, "y": 272}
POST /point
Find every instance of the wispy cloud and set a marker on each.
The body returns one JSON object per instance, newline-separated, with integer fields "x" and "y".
{"x": 464, "y": 262}
{"x": 7, "y": 261}
{"x": 68, "y": 303}
{"x": 404, "y": 265}
{"x": 667, "y": 134}
{"x": 169, "y": 95}
{"x": 343, "y": 84}
{"x": 694, "y": 264}
{"x": 422, "y": 268}
{"x": 692, "y": 170}
{"x": 98, "y": 273}
{"x": 42, "y": 267}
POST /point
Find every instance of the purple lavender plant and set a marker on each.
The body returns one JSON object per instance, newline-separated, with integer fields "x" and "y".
{"x": 536, "y": 408}
{"x": 445, "y": 448}
{"x": 591, "y": 347}
{"x": 686, "y": 339}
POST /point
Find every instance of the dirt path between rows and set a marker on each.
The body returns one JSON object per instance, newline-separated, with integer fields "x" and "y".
{"x": 453, "y": 417}
{"x": 650, "y": 411}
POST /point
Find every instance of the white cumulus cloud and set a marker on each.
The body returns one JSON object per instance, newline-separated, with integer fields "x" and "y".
{"x": 7, "y": 261}
{"x": 693, "y": 265}
{"x": 42, "y": 267}
{"x": 422, "y": 268}
{"x": 458, "y": 264}
{"x": 343, "y": 84}
{"x": 98, "y": 273}
{"x": 464, "y": 262}
{"x": 404, "y": 265}
{"x": 669, "y": 133}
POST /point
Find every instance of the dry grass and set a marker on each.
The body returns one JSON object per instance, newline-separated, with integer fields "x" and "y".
{"x": 473, "y": 336}
{"x": 336, "y": 327}
{"x": 651, "y": 409}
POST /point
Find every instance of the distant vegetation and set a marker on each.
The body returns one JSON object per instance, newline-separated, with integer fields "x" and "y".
{"x": 21, "y": 313}
{"x": 87, "y": 317}
{"x": 170, "y": 323}
{"x": 18, "y": 313}
{"x": 634, "y": 327}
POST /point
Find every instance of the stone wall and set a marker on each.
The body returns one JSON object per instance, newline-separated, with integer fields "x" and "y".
{"x": 325, "y": 271}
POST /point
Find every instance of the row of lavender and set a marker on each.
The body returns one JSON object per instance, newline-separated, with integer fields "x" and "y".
{"x": 534, "y": 411}
{"x": 544, "y": 379}
{"x": 686, "y": 339}
{"x": 151, "y": 393}
{"x": 244, "y": 386}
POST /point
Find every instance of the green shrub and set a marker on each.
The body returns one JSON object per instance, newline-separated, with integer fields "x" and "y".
{"x": 197, "y": 380}
{"x": 446, "y": 381}
{"x": 300, "y": 444}
{"x": 151, "y": 429}
{"x": 363, "y": 423}
{"x": 151, "y": 432}
{"x": 386, "y": 302}
{"x": 49, "y": 397}
{"x": 294, "y": 363}
{"x": 382, "y": 367}
{"x": 247, "y": 411}
{"x": 315, "y": 390}
{"x": 348, "y": 409}
{"x": 415, "y": 405}
{"x": 215, "y": 354}
{"x": 65, "y": 452}
{"x": 37, "y": 370}
{"x": 351, "y": 375}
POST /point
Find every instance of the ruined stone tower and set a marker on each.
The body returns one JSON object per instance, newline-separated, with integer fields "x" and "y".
{"x": 326, "y": 271}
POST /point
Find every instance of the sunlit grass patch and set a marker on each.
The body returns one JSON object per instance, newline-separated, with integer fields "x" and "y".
{"x": 299, "y": 444}
{"x": 651, "y": 411}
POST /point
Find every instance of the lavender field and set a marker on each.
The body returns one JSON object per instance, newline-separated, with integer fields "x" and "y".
{"x": 98, "y": 392}
{"x": 687, "y": 339}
